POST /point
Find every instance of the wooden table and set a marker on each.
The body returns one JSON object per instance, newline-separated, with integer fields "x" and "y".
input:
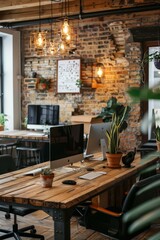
{"x": 38, "y": 138}
{"x": 60, "y": 200}
{"x": 24, "y": 135}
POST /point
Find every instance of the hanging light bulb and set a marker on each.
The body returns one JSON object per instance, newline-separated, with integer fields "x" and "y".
{"x": 39, "y": 38}
{"x": 62, "y": 46}
{"x": 65, "y": 27}
{"x": 51, "y": 48}
{"x": 68, "y": 38}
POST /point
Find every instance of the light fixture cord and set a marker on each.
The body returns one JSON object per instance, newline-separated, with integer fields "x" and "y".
{"x": 65, "y": 8}
{"x": 39, "y": 15}
{"x": 51, "y": 21}
{"x": 68, "y": 8}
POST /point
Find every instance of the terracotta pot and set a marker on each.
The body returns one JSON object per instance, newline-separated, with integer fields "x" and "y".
{"x": 46, "y": 180}
{"x": 158, "y": 146}
{"x": 1, "y": 128}
{"x": 113, "y": 160}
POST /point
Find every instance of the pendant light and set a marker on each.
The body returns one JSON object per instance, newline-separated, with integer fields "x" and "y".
{"x": 51, "y": 45}
{"x": 40, "y": 37}
{"x": 66, "y": 29}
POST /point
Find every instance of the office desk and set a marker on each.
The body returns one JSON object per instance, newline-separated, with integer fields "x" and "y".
{"x": 60, "y": 200}
{"x": 39, "y": 138}
{"x": 24, "y": 135}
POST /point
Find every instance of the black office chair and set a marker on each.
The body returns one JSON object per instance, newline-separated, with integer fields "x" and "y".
{"x": 7, "y": 146}
{"x": 110, "y": 221}
{"x": 7, "y": 164}
{"x": 27, "y": 153}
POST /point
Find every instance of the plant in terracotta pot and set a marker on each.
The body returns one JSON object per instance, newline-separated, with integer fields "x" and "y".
{"x": 46, "y": 177}
{"x": 3, "y": 119}
{"x": 117, "y": 114}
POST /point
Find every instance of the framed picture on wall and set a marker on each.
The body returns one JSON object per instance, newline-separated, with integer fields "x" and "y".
{"x": 68, "y": 75}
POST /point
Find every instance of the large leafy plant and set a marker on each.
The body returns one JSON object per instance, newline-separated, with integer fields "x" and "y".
{"x": 3, "y": 118}
{"x": 147, "y": 212}
{"x": 117, "y": 114}
{"x": 157, "y": 133}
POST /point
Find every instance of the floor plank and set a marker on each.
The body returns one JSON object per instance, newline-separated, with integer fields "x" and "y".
{"x": 44, "y": 226}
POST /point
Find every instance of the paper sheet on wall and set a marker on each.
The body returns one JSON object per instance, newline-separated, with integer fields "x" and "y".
{"x": 68, "y": 75}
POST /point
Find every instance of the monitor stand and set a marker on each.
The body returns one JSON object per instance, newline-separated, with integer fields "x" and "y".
{"x": 101, "y": 155}
{"x": 66, "y": 169}
{"x": 103, "y": 149}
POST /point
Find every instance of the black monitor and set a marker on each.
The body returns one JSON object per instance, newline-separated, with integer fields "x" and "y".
{"x": 42, "y": 116}
{"x": 97, "y": 140}
{"x": 66, "y": 145}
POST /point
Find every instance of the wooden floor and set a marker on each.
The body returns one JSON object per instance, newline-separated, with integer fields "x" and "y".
{"x": 44, "y": 226}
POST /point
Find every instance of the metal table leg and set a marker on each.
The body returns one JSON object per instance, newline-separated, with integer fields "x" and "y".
{"x": 61, "y": 218}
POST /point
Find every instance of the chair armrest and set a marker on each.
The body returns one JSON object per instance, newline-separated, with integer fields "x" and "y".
{"x": 103, "y": 210}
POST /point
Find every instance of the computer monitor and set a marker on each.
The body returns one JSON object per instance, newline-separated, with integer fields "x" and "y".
{"x": 97, "y": 140}
{"x": 65, "y": 145}
{"x": 41, "y": 117}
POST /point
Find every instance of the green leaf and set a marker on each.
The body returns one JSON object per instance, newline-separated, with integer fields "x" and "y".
{"x": 143, "y": 93}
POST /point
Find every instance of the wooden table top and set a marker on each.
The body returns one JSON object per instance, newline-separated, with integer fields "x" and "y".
{"x": 24, "y": 134}
{"x": 17, "y": 188}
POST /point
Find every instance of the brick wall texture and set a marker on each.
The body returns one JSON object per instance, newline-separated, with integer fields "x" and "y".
{"x": 107, "y": 40}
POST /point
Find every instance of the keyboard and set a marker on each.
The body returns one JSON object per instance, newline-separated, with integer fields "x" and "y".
{"x": 92, "y": 175}
{"x": 34, "y": 172}
{"x": 67, "y": 169}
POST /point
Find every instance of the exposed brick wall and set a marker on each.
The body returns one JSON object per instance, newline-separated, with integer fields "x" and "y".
{"x": 107, "y": 40}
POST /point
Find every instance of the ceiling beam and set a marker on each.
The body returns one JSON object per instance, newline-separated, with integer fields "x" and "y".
{"x": 83, "y": 15}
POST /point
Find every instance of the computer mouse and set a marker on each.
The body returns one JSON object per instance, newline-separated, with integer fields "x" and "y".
{"x": 90, "y": 169}
{"x": 70, "y": 182}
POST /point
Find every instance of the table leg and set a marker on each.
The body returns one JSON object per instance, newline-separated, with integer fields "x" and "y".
{"x": 61, "y": 219}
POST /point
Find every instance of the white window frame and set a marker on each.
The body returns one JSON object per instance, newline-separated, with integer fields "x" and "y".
{"x": 12, "y": 77}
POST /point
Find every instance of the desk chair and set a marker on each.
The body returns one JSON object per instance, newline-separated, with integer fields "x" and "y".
{"x": 7, "y": 164}
{"x": 27, "y": 153}
{"x": 7, "y": 146}
{"x": 110, "y": 221}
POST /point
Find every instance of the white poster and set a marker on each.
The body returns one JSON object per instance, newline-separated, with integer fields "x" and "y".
{"x": 69, "y": 74}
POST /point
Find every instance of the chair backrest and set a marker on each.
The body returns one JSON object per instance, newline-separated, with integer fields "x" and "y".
{"x": 141, "y": 192}
{"x": 7, "y": 163}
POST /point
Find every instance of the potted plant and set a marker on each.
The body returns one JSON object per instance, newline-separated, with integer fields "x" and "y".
{"x": 46, "y": 177}
{"x": 157, "y": 134}
{"x": 155, "y": 57}
{"x": 43, "y": 84}
{"x": 3, "y": 119}
{"x": 117, "y": 114}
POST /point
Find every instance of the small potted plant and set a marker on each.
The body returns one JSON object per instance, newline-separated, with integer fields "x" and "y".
{"x": 46, "y": 177}
{"x": 43, "y": 84}
{"x": 117, "y": 114}
{"x": 3, "y": 119}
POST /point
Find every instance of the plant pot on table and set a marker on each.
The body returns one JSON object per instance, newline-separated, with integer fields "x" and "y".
{"x": 47, "y": 180}
{"x": 114, "y": 160}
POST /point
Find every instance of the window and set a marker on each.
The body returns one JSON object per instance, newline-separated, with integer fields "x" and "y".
{"x": 1, "y": 78}
{"x": 151, "y": 78}
{"x": 11, "y": 73}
